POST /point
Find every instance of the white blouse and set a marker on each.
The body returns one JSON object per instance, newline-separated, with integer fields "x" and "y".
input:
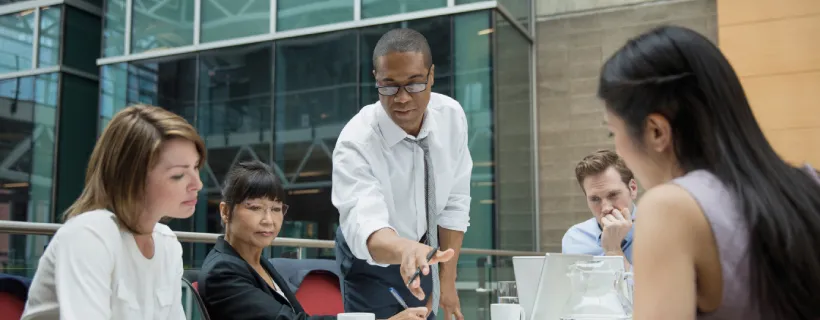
{"x": 93, "y": 269}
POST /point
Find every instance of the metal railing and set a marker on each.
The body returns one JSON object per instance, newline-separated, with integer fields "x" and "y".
{"x": 488, "y": 259}
{"x": 42, "y": 228}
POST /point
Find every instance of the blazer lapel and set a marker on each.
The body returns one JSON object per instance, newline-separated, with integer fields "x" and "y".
{"x": 280, "y": 282}
{"x": 226, "y": 248}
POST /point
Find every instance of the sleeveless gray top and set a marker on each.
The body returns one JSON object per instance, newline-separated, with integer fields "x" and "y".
{"x": 732, "y": 237}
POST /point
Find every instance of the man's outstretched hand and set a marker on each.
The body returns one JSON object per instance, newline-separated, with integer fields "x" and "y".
{"x": 415, "y": 256}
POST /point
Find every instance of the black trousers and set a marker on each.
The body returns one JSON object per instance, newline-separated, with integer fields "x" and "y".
{"x": 365, "y": 288}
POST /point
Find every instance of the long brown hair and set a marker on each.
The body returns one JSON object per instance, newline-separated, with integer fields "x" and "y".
{"x": 127, "y": 149}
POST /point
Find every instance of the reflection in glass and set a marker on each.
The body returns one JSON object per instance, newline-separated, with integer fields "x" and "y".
{"x": 234, "y": 118}
{"x": 316, "y": 94}
{"x": 16, "y": 36}
{"x": 472, "y": 63}
{"x": 223, "y": 20}
{"x": 162, "y": 24}
{"x": 520, "y": 10}
{"x": 473, "y": 79}
{"x": 113, "y": 86}
{"x": 295, "y": 14}
{"x": 378, "y": 8}
{"x": 114, "y": 28}
{"x": 516, "y": 209}
{"x": 50, "y": 36}
{"x": 27, "y": 112}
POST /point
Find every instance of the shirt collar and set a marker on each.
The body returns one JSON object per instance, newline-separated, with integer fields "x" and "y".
{"x": 392, "y": 133}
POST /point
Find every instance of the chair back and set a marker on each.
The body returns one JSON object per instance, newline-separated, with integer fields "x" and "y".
{"x": 11, "y": 307}
{"x": 194, "y": 292}
{"x": 320, "y": 294}
{"x": 13, "y": 295}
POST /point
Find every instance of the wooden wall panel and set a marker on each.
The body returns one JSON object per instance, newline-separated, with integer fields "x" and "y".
{"x": 774, "y": 46}
{"x": 744, "y": 11}
{"x": 788, "y": 101}
{"x": 797, "y": 145}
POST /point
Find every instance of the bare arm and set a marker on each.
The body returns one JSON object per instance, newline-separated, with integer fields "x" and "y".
{"x": 450, "y": 239}
{"x": 665, "y": 245}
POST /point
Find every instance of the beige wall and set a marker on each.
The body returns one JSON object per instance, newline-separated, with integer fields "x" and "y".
{"x": 571, "y": 50}
{"x": 774, "y": 46}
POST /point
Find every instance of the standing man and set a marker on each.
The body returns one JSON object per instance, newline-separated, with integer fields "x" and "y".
{"x": 610, "y": 191}
{"x": 401, "y": 183}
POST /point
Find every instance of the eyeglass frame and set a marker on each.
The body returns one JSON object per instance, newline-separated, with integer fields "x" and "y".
{"x": 284, "y": 208}
{"x": 425, "y": 83}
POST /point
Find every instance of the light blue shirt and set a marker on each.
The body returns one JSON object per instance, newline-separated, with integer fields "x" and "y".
{"x": 585, "y": 238}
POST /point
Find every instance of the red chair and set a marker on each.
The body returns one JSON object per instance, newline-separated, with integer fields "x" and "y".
{"x": 11, "y": 307}
{"x": 320, "y": 294}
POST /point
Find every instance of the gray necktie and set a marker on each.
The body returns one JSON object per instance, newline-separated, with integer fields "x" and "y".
{"x": 432, "y": 226}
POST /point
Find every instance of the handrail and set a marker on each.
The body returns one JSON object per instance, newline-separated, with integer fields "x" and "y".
{"x": 42, "y": 228}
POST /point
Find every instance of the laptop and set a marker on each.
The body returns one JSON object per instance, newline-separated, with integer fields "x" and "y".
{"x": 543, "y": 285}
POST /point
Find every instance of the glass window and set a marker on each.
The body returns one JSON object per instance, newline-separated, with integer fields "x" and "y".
{"x": 473, "y": 85}
{"x": 516, "y": 198}
{"x": 77, "y": 44}
{"x": 234, "y": 117}
{"x": 50, "y": 36}
{"x": 378, "y": 8}
{"x": 162, "y": 24}
{"x": 520, "y": 10}
{"x": 295, "y": 14}
{"x": 316, "y": 92}
{"x": 114, "y": 28}
{"x": 222, "y": 20}
{"x": 113, "y": 86}
{"x": 27, "y": 122}
{"x": 16, "y": 36}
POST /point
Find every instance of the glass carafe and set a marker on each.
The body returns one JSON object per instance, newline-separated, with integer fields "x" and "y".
{"x": 597, "y": 293}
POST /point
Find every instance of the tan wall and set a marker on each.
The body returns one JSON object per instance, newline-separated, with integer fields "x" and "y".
{"x": 774, "y": 45}
{"x": 571, "y": 50}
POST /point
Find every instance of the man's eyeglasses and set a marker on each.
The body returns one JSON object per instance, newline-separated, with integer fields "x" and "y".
{"x": 410, "y": 88}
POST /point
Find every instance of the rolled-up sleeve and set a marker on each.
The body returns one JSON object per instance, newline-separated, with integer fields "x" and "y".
{"x": 357, "y": 195}
{"x": 456, "y": 214}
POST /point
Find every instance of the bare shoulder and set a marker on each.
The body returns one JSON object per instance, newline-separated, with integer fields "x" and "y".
{"x": 670, "y": 210}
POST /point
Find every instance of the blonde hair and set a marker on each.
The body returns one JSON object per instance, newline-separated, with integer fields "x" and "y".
{"x": 125, "y": 152}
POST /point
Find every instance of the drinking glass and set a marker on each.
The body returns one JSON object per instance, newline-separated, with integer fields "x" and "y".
{"x": 507, "y": 292}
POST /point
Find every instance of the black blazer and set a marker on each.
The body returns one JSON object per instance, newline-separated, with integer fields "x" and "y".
{"x": 232, "y": 290}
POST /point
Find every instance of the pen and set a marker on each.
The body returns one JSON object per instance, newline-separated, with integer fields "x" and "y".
{"x": 398, "y": 297}
{"x": 418, "y": 270}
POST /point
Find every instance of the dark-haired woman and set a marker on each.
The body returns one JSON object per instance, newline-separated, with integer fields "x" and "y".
{"x": 729, "y": 230}
{"x": 236, "y": 282}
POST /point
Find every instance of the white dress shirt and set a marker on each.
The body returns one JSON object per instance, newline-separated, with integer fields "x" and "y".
{"x": 92, "y": 269}
{"x": 378, "y": 178}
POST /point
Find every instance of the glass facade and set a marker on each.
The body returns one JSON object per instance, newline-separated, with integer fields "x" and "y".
{"x": 35, "y": 177}
{"x": 17, "y": 41}
{"x": 161, "y": 24}
{"x": 282, "y": 101}
{"x": 222, "y": 20}
{"x": 295, "y": 14}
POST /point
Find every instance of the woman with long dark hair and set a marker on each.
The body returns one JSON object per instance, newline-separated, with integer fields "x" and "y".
{"x": 728, "y": 229}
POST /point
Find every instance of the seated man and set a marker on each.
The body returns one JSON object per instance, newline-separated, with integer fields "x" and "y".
{"x": 610, "y": 191}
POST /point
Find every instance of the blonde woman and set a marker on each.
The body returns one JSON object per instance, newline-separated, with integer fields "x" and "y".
{"x": 112, "y": 259}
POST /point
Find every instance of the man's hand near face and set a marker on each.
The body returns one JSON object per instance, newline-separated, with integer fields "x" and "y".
{"x": 616, "y": 226}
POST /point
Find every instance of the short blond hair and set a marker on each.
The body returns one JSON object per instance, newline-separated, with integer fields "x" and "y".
{"x": 124, "y": 154}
